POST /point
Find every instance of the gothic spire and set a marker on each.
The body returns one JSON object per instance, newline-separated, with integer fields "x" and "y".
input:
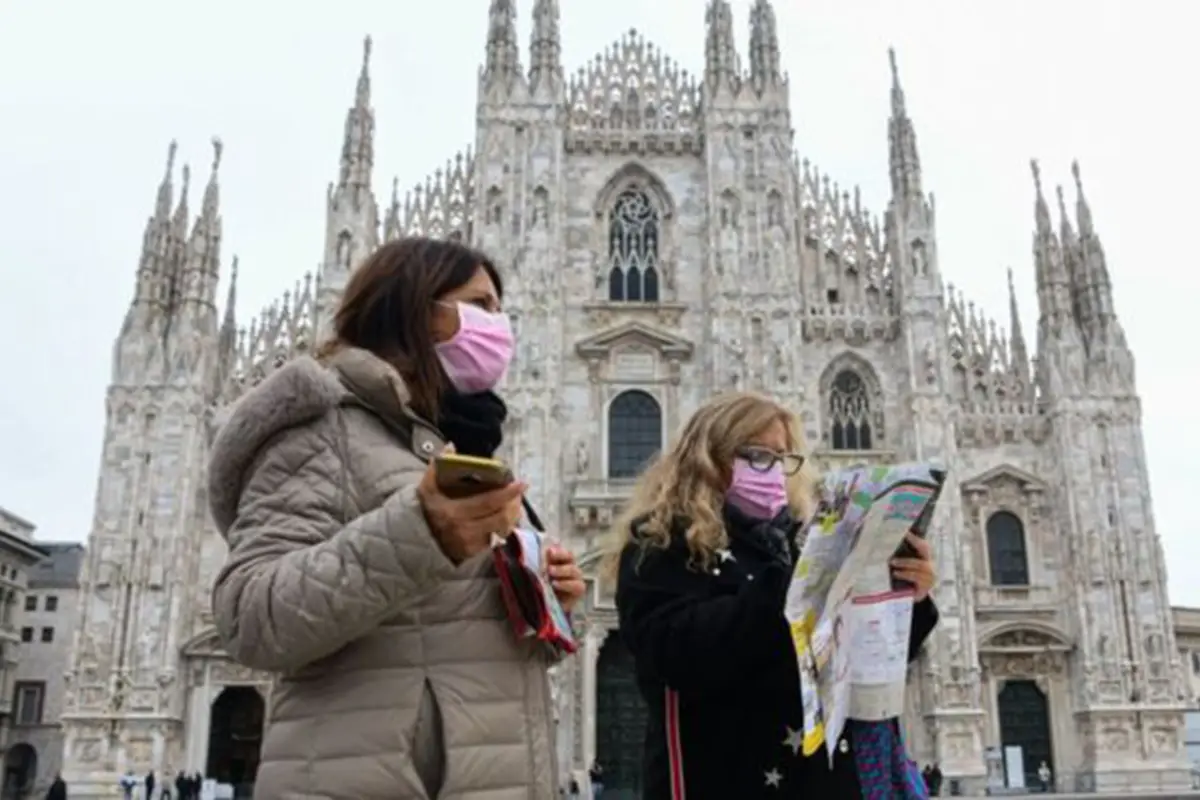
{"x": 175, "y": 249}
{"x": 722, "y": 69}
{"x": 358, "y": 143}
{"x": 765, "y": 68}
{"x": 1052, "y": 281}
{"x": 202, "y": 268}
{"x": 1017, "y": 349}
{"x": 391, "y": 222}
{"x": 1094, "y": 275}
{"x": 903, "y": 159}
{"x": 1060, "y": 346}
{"x": 545, "y": 49}
{"x": 503, "y": 64}
{"x": 155, "y": 238}
{"x": 1072, "y": 258}
{"x": 227, "y": 340}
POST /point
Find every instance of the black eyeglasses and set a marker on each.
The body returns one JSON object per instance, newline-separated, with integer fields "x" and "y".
{"x": 762, "y": 459}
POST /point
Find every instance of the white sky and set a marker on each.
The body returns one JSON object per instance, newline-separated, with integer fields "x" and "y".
{"x": 91, "y": 93}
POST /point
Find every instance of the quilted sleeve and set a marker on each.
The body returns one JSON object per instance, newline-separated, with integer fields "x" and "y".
{"x": 298, "y": 584}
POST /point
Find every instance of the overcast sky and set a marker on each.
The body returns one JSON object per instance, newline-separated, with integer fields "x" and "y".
{"x": 92, "y": 92}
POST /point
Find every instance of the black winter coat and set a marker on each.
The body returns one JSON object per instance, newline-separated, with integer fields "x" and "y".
{"x": 716, "y": 666}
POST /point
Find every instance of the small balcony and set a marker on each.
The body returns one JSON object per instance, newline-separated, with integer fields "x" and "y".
{"x": 595, "y": 503}
{"x": 1033, "y": 599}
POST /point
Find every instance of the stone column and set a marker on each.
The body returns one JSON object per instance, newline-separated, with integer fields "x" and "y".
{"x": 592, "y": 642}
{"x": 200, "y": 702}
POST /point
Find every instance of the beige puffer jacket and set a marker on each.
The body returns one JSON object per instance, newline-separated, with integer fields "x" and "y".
{"x": 399, "y": 675}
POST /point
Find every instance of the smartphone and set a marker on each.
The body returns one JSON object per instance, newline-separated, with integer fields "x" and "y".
{"x": 463, "y": 476}
{"x": 920, "y": 527}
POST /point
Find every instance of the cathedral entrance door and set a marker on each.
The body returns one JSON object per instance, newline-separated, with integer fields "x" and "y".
{"x": 1025, "y": 723}
{"x": 235, "y": 737}
{"x": 20, "y": 770}
{"x": 620, "y": 722}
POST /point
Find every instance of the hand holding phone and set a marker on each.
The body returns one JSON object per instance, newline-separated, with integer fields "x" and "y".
{"x": 466, "y": 501}
{"x": 467, "y": 476}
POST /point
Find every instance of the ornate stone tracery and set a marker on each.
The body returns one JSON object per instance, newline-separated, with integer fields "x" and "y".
{"x": 853, "y": 405}
{"x": 633, "y": 236}
{"x": 634, "y": 215}
{"x": 628, "y": 91}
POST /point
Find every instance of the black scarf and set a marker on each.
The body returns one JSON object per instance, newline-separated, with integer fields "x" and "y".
{"x": 473, "y": 423}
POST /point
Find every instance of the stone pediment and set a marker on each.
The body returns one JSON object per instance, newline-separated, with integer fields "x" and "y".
{"x": 985, "y": 480}
{"x": 601, "y": 345}
{"x": 205, "y": 643}
{"x": 1024, "y": 637}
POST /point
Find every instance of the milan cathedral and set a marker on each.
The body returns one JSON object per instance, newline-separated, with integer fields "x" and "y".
{"x": 663, "y": 241}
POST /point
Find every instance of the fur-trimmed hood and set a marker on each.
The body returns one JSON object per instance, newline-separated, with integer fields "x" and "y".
{"x": 300, "y": 392}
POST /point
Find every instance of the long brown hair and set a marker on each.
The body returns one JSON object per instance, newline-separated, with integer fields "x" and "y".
{"x": 387, "y": 308}
{"x": 688, "y": 481}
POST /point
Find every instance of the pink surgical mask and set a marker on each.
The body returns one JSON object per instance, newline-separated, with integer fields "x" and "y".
{"x": 758, "y": 494}
{"x": 477, "y": 356}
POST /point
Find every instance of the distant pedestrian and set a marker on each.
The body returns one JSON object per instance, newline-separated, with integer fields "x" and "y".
{"x": 58, "y": 789}
{"x": 1045, "y": 776}
{"x": 127, "y": 784}
{"x": 935, "y": 780}
{"x": 596, "y": 778}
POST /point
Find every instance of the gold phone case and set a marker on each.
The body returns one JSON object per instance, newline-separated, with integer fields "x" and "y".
{"x": 463, "y": 476}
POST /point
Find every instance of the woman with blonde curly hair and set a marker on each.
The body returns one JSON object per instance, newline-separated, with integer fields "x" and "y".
{"x": 702, "y": 563}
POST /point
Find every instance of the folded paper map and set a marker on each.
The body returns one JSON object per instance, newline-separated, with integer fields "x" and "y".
{"x": 533, "y": 609}
{"x": 850, "y": 622}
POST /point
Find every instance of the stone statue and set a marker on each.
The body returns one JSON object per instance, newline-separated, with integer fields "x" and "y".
{"x": 581, "y": 458}
{"x": 344, "y": 248}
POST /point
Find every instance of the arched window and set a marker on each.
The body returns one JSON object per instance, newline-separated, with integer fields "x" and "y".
{"x": 634, "y": 433}
{"x": 849, "y": 412}
{"x": 633, "y": 233}
{"x": 1007, "y": 559}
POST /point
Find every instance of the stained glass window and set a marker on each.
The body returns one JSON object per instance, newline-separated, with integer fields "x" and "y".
{"x": 633, "y": 239}
{"x": 849, "y": 413}
{"x": 634, "y": 433}
{"x": 1007, "y": 558}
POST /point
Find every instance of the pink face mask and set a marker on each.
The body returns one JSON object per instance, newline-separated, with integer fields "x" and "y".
{"x": 758, "y": 494}
{"x": 476, "y": 358}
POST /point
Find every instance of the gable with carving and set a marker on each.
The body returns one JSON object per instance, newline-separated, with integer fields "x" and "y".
{"x": 634, "y": 352}
{"x": 1013, "y": 637}
{"x": 1005, "y": 476}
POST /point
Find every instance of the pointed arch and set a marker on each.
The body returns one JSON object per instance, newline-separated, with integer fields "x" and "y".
{"x": 634, "y": 175}
{"x": 633, "y": 213}
{"x": 852, "y": 404}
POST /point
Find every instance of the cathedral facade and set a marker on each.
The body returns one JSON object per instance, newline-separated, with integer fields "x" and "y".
{"x": 662, "y": 242}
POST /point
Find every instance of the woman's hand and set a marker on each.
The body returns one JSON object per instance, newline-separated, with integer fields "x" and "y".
{"x": 565, "y": 576}
{"x": 464, "y": 526}
{"x": 917, "y": 570}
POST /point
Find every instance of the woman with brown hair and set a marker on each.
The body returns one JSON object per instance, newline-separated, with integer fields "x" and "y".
{"x": 702, "y": 562}
{"x": 368, "y": 590}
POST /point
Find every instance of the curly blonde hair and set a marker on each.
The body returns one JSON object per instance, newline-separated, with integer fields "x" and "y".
{"x": 688, "y": 481}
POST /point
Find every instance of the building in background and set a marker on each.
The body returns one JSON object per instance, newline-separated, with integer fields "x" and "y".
{"x": 1187, "y": 639}
{"x": 46, "y": 627}
{"x": 662, "y": 241}
{"x": 18, "y": 554}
